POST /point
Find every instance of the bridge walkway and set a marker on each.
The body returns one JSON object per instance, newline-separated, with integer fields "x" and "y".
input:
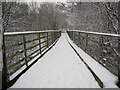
{"x": 60, "y": 67}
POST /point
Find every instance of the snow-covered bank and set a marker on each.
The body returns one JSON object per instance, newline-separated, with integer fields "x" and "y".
{"x": 106, "y": 76}
{"x": 59, "y": 68}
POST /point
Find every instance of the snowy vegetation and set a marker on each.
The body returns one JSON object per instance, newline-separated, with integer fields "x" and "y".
{"x": 32, "y": 16}
{"x": 97, "y": 17}
{"x": 18, "y": 17}
{"x": 84, "y": 16}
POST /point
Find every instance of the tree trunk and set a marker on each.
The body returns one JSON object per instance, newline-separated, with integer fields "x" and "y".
{"x": 3, "y": 61}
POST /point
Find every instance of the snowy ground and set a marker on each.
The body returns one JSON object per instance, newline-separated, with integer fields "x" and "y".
{"x": 60, "y": 68}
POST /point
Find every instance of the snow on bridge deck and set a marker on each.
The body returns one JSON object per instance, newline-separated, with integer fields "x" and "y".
{"x": 59, "y": 68}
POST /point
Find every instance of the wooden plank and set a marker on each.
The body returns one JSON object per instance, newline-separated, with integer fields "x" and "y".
{"x": 35, "y": 39}
{"x": 33, "y": 53}
{"x": 18, "y": 62}
{"x": 43, "y": 42}
{"x": 98, "y": 42}
{"x": 43, "y": 46}
{"x": 32, "y": 47}
{"x": 16, "y": 69}
{"x": 44, "y": 49}
{"x": 16, "y": 54}
{"x": 14, "y": 45}
{"x": 33, "y": 57}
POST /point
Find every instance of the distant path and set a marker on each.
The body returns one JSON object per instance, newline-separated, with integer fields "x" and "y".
{"x": 59, "y": 68}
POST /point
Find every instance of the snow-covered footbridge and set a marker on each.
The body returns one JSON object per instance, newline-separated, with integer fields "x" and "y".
{"x": 54, "y": 62}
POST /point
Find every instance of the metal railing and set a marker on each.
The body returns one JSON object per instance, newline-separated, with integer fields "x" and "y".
{"x": 103, "y": 47}
{"x": 23, "y": 47}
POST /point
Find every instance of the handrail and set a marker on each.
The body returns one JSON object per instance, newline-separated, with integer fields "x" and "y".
{"x": 22, "y": 47}
{"x": 103, "y": 47}
{"x": 28, "y": 32}
{"x": 96, "y": 33}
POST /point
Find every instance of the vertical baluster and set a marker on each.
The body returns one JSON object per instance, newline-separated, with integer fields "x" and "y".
{"x": 51, "y": 38}
{"x": 40, "y": 42}
{"x": 54, "y": 37}
{"x": 25, "y": 52}
{"x": 47, "y": 40}
{"x": 101, "y": 47}
{"x": 86, "y": 43}
{"x": 73, "y": 36}
{"x": 79, "y": 38}
{"x": 59, "y": 33}
{"x": 70, "y": 33}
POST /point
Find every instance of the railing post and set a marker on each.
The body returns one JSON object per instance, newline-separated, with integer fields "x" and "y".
{"x": 73, "y": 36}
{"x": 101, "y": 47}
{"x": 69, "y": 33}
{"x": 50, "y": 38}
{"x": 59, "y": 33}
{"x": 54, "y": 36}
{"x": 47, "y": 40}
{"x": 24, "y": 43}
{"x": 86, "y": 43}
{"x": 40, "y": 42}
{"x": 79, "y": 39}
